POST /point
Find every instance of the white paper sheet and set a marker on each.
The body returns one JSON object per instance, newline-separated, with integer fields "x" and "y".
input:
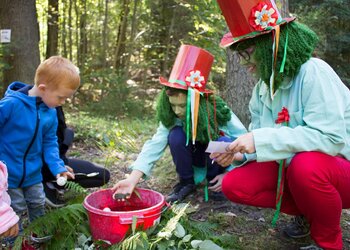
{"x": 217, "y": 147}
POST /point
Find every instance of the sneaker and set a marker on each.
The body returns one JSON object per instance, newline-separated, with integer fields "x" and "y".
{"x": 180, "y": 191}
{"x": 311, "y": 247}
{"x": 54, "y": 196}
{"x": 298, "y": 228}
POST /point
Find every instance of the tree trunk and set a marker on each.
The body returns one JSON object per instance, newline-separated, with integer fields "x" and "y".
{"x": 239, "y": 87}
{"x": 23, "y": 50}
{"x": 239, "y": 83}
{"x": 64, "y": 30}
{"x": 104, "y": 36}
{"x": 52, "y": 28}
{"x": 70, "y": 35}
{"x": 132, "y": 36}
{"x": 82, "y": 51}
{"x": 121, "y": 40}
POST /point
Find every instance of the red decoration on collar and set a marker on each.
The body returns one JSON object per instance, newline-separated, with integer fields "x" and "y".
{"x": 283, "y": 116}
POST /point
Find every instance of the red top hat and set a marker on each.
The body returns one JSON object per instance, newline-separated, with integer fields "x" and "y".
{"x": 249, "y": 18}
{"x": 191, "y": 69}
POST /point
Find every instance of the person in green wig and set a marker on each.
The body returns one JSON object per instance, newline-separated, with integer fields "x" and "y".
{"x": 190, "y": 116}
{"x": 300, "y": 125}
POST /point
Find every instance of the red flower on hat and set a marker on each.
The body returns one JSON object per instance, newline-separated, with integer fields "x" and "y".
{"x": 283, "y": 116}
{"x": 195, "y": 79}
{"x": 262, "y": 16}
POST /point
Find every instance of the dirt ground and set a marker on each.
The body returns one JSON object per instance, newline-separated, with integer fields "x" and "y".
{"x": 251, "y": 226}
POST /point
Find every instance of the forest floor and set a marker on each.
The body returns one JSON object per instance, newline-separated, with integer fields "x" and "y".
{"x": 250, "y": 226}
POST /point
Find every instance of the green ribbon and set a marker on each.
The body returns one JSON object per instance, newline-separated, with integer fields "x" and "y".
{"x": 178, "y": 81}
{"x": 278, "y": 205}
{"x": 285, "y": 52}
{"x": 188, "y": 116}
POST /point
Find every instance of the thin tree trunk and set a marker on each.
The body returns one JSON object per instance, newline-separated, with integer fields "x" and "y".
{"x": 121, "y": 40}
{"x": 83, "y": 38}
{"x": 64, "y": 30}
{"x": 22, "y": 53}
{"x": 70, "y": 36}
{"x": 132, "y": 35}
{"x": 104, "y": 36}
{"x": 52, "y": 28}
{"x": 168, "y": 42}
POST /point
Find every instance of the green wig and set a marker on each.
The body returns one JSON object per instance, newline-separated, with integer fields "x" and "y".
{"x": 209, "y": 105}
{"x": 301, "y": 44}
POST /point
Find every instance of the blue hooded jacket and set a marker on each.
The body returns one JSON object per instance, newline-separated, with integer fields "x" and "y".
{"x": 27, "y": 136}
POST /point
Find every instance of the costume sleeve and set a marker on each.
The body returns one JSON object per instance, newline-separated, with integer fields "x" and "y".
{"x": 233, "y": 128}
{"x": 50, "y": 148}
{"x": 8, "y": 217}
{"x": 151, "y": 151}
{"x": 324, "y": 100}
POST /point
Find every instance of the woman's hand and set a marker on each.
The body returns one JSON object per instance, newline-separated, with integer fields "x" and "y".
{"x": 124, "y": 188}
{"x": 243, "y": 144}
{"x": 216, "y": 183}
{"x": 225, "y": 159}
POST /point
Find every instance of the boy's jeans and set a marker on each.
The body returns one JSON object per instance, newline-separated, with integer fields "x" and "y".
{"x": 31, "y": 199}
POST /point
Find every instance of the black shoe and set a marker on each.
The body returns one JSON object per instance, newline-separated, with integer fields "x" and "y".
{"x": 298, "y": 228}
{"x": 54, "y": 196}
{"x": 181, "y": 190}
{"x": 217, "y": 196}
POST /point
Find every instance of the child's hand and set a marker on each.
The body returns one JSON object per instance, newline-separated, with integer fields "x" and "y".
{"x": 67, "y": 175}
{"x": 11, "y": 232}
{"x": 123, "y": 189}
{"x": 215, "y": 184}
{"x": 71, "y": 170}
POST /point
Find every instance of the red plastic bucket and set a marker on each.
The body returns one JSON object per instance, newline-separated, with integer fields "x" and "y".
{"x": 113, "y": 225}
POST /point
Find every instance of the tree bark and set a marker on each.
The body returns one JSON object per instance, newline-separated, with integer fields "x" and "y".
{"x": 121, "y": 40}
{"x": 23, "y": 50}
{"x": 239, "y": 87}
{"x": 52, "y": 28}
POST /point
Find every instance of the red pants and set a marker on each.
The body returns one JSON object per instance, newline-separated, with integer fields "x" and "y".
{"x": 317, "y": 186}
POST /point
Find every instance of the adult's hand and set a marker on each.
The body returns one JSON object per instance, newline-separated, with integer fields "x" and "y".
{"x": 243, "y": 144}
{"x": 225, "y": 159}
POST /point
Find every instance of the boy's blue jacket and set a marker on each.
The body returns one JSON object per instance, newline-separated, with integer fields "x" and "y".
{"x": 27, "y": 136}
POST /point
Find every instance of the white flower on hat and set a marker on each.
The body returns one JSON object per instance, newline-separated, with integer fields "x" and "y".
{"x": 264, "y": 17}
{"x": 195, "y": 79}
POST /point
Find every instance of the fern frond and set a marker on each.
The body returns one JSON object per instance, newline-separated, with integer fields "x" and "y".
{"x": 74, "y": 186}
{"x": 61, "y": 223}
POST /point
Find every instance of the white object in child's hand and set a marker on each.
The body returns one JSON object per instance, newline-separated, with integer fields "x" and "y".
{"x": 217, "y": 147}
{"x": 107, "y": 209}
{"x": 61, "y": 181}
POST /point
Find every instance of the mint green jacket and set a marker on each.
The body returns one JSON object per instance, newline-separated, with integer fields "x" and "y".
{"x": 319, "y": 108}
{"x": 153, "y": 149}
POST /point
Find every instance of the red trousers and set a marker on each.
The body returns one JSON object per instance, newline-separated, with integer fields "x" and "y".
{"x": 317, "y": 186}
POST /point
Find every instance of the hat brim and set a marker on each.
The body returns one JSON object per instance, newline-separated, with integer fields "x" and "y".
{"x": 227, "y": 40}
{"x": 175, "y": 85}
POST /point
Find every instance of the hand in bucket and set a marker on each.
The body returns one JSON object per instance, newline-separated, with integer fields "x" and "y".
{"x": 124, "y": 188}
